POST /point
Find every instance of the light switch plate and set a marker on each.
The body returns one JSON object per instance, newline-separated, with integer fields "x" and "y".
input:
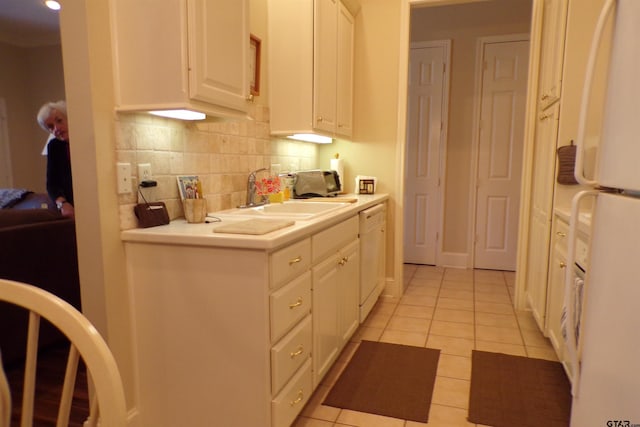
{"x": 124, "y": 178}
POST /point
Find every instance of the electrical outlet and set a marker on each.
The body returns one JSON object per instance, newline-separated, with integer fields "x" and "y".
{"x": 144, "y": 172}
{"x": 124, "y": 178}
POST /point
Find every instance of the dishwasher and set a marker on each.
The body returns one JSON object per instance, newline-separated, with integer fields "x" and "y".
{"x": 372, "y": 257}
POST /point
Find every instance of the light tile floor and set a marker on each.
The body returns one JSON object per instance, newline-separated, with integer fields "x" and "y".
{"x": 449, "y": 309}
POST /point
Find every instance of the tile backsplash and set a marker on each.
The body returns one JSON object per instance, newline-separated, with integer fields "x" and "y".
{"x": 221, "y": 152}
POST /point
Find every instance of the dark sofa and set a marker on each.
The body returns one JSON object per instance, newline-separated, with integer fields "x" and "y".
{"x": 37, "y": 246}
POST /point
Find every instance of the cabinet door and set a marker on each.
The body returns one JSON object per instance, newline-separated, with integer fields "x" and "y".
{"x": 540, "y": 212}
{"x": 555, "y": 294}
{"x": 382, "y": 257}
{"x": 348, "y": 291}
{"x": 552, "y": 50}
{"x": 344, "y": 95}
{"x": 218, "y": 52}
{"x": 325, "y": 284}
{"x": 324, "y": 64}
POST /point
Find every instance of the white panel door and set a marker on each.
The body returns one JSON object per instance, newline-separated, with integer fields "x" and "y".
{"x": 504, "y": 87}
{"x": 424, "y": 137}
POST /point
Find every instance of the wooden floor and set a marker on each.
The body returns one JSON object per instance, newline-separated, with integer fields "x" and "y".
{"x": 49, "y": 379}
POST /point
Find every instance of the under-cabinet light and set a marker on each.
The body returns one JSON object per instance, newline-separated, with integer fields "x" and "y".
{"x": 310, "y": 137}
{"x": 52, "y": 4}
{"x": 179, "y": 114}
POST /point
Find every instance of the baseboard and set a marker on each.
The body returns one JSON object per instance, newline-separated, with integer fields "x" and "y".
{"x": 391, "y": 289}
{"x": 454, "y": 260}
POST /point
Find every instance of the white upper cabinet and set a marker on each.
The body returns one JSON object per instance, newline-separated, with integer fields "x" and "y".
{"x": 310, "y": 67}
{"x": 190, "y": 54}
{"x": 325, "y": 65}
{"x": 344, "y": 101}
{"x": 554, "y": 23}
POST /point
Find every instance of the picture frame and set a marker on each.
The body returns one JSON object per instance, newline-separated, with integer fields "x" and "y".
{"x": 189, "y": 187}
{"x": 255, "y": 50}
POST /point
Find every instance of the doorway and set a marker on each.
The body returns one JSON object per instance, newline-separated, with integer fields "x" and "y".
{"x": 427, "y": 106}
{"x": 459, "y": 22}
{"x": 502, "y": 70}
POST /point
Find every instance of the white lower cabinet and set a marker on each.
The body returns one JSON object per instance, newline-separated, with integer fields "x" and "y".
{"x": 335, "y": 287}
{"x": 555, "y": 293}
{"x": 239, "y": 337}
{"x": 288, "y": 404}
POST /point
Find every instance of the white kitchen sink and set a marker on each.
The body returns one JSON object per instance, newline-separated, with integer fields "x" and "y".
{"x": 293, "y": 209}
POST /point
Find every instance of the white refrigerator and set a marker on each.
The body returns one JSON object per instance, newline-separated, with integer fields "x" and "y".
{"x": 605, "y": 355}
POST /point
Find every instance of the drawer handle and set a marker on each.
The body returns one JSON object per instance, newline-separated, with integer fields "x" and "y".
{"x": 298, "y": 399}
{"x": 544, "y": 116}
{"x": 295, "y": 260}
{"x": 298, "y": 303}
{"x": 561, "y": 234}
{"x": 298, "y": 352}
{"x": 343, "y": 261}
{"x": 562, "y": 264}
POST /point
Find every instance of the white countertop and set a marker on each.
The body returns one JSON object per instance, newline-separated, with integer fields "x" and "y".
{"x": 179, "y": 232}
{"x": 584, "y": 225}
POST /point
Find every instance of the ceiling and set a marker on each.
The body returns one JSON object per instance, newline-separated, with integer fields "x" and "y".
{"x": 28, "y": 23}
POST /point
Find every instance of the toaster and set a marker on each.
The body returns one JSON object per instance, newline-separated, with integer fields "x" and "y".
{"x": 316, "y": 183}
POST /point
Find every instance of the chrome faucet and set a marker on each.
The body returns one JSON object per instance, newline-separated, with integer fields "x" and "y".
{"x": 251, "y": 190}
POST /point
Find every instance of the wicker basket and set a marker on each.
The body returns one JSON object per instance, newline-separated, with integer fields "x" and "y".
{"x": 566, "y": 164}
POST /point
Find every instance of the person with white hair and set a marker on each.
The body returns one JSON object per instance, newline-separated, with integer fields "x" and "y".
{"x": 52, "y": 117}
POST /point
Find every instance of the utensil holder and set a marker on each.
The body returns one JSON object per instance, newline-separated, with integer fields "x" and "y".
{"x": 195, "y": 210}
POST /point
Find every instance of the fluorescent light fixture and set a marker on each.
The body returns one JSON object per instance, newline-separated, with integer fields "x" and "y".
{"x": 52, "y": 4}
{"x": 179, "y": 114}
{"x": 310, "y": 137}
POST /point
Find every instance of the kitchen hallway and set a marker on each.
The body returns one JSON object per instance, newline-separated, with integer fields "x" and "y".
{"x": 452, "y": 310}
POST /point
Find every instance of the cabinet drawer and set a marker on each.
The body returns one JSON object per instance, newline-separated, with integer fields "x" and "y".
{"x": 289, "y": 354}
{"x": 289, "y": 304}
{"x": 288, "y": 404}
{"x": 332, "y": 239}
{"x": 289, "y": 262}
{"x": 561, "y": 231}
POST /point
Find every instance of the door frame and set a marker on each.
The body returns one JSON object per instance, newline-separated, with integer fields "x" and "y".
{"x": 442, "y": 160}
{"x": 475, "y": 137}
{"x": 531, "y": 107}
{"x": 5, "y": 146}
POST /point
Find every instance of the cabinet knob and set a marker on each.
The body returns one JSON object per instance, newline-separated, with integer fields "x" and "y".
{"x": 319, "y": 119}
{"x": 545, "y": 96}
{"x": 295, "y": 260}
{"x": 298, "y": 303}
{"x": 298, "y": 352}
{"x": 249, "y": 97}
{"x": 562, "y": 264}
{"x": 544, "y": 116}
{"x": 298, "y": 399}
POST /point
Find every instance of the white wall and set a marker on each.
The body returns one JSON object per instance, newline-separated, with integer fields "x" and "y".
{"x": 373, "y": 148}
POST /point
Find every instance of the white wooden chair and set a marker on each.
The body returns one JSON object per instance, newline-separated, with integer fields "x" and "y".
{"x": 108, "y": 402}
